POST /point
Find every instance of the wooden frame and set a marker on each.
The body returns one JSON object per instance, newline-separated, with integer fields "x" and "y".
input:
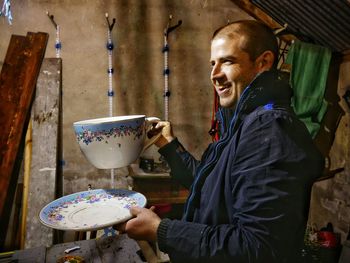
{"x": 17, "y": 85}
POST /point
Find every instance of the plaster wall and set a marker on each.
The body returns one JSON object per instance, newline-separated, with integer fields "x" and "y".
{"x": 331, "y": 198}
{"x": 138, "y": 67}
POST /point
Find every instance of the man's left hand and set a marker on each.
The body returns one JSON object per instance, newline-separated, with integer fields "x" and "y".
{"x": 143, "y": 226}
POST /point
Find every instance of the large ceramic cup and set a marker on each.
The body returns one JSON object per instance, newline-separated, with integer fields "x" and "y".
{"x": 114, "y": 142}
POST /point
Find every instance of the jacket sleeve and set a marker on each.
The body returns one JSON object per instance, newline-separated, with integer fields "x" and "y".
{"x": 182, "y": 164}
{"x": 268, "y": 206}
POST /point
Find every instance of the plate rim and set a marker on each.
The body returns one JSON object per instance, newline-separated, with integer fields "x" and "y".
{"x": 90, "y": 228}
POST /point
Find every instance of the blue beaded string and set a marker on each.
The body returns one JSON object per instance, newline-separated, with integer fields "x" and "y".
{"x": 6, "y": 11}
{"x": 58, "y": 44}
{"x": 110, "y": 71}
{"x": 166, "y": 71}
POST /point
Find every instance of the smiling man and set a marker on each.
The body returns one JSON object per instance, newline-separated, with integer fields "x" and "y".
{"x": 250, "y": 191}
{"x": 233, "y": 68}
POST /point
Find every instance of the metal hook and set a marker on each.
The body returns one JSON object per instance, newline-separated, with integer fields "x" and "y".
{"x": 169, "y": 28}
{"x": 110, "y": 26}
{"x": 52, "y": 19}
{"x": 280, "y": 30}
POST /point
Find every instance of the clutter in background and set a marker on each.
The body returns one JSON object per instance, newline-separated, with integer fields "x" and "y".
{"x": 322, "y": 245}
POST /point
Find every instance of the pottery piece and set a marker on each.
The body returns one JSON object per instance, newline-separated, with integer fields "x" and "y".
{"x": 114, "y": 142}
{"x": 91, "y": 210}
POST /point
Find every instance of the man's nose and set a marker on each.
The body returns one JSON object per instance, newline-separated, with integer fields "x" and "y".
{"x": 216, "y": 73}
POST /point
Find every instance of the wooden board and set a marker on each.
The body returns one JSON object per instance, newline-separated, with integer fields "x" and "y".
{"x": 17, "y": 84}
{"x": 43, "y": 171}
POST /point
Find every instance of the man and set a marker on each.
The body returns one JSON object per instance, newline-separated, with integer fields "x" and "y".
{"x": 250, "y": 192}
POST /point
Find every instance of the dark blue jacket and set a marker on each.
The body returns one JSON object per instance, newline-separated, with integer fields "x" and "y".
{"x": 250, "y": 192}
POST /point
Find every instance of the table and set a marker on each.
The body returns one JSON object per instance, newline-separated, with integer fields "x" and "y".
{"x": 118, "y": 248}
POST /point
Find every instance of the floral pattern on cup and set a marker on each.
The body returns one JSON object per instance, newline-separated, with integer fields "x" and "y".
{"x": 88, "y": 136}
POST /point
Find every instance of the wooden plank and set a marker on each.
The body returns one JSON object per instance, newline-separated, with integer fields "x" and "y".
{"x": 9, "y": 99}
{"x": 257, "y": 13}
{"x": 43, "y": 174}
{"x": 148, "y": 251}
{"x": 12, "y": 240}
{"x": 260, "y": 15}
{"x": 346, "y": 56}
{"x": 26, "y": 174}
{"x": 17, "y": 84}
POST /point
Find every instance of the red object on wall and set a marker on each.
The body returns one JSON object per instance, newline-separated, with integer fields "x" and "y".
{"x": 328, "y": 239}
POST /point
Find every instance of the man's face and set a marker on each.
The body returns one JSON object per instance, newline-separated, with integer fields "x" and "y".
{"x": 232, "y": 69}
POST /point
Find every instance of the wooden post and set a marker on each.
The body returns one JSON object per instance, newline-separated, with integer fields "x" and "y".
{"x": 17, "y": 84}
{"x": 27, "y": 164}
{"x": 43, "y": 171}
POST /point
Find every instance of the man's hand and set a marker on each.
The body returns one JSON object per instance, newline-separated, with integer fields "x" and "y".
{"x": 163, "y": 127}
{"x": 143, "y": 226}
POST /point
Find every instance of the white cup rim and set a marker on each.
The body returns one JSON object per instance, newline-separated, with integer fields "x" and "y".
{"x": 108, "y": 119}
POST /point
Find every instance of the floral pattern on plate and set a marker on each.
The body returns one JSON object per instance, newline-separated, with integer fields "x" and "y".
{"x": 91, "y": 210}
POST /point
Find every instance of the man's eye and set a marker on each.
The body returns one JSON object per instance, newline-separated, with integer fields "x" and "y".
{"x": 228, "y": 62}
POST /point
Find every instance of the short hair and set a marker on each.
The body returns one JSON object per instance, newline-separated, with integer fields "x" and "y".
{"x": 258, "y": 37}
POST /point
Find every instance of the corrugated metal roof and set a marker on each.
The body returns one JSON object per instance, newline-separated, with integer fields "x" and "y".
{"x": 323, "y": 22}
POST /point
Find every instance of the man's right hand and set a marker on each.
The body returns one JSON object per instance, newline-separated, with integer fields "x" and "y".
{"x": 163, "y": 127}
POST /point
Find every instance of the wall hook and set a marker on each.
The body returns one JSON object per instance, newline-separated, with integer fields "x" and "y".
{"x": 52, "y": 19}
{"x": 169, "y": 28}
{"x": 280, "y": 30}
{"x": 110, "y": 26}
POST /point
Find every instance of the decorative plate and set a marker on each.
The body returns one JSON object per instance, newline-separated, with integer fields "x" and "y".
{"x": 91, "y": 210}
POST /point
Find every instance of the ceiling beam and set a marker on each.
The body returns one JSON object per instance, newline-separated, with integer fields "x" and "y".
{"x": 260, "y": 15}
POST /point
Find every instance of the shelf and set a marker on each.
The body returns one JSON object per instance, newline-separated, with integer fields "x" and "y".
{"x": 159, "y": 188}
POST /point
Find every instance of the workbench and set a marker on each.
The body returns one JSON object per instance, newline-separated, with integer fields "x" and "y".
{"x": 159, "y": 188}
{"x": 118, "y": 248}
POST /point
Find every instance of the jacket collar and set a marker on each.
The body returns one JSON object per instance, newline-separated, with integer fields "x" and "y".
{"x": 268, "y": 88}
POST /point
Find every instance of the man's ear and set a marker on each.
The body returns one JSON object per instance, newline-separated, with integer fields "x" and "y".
{"x": 265, "y": 61}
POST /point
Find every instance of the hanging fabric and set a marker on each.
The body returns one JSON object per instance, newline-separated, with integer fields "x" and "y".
{"x": 310, "y": 65}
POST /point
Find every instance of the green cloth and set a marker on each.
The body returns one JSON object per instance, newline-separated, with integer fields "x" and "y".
{"x": 310, "y": 64}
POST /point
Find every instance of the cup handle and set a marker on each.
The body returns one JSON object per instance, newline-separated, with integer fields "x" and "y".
{"x": 153, "y": 139}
